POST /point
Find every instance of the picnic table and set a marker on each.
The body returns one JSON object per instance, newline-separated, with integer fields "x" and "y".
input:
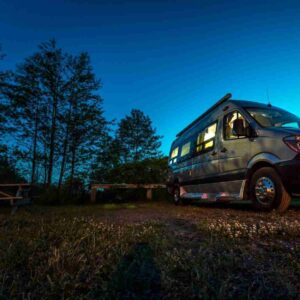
{"x": 103, "y": 186}
{"x": 16, "y": 193}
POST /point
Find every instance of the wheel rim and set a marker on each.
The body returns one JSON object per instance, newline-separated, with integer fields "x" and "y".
{"x": 265, "y": 191}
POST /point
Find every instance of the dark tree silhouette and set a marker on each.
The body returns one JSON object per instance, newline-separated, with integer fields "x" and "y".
{"x": 85, "y": 125}
{"x": 5, "y": 91}
{"x": 57, "y": 114}
{"x": 137, "y": 137}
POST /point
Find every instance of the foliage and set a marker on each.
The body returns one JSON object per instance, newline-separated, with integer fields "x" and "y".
{"x": 146, "y": 171}
{"x": 5, "y": 78}
{"x": 137, "y": 138}
{"x": 85, "y": 120}
{"x": 79, "y": 194}
{"x": 8, "y": 171}
{"x": 107, "y": 160}
{"x": 57, "y": 114}
{"x": 52, "y": 115}
{"x": 149, "y": 251}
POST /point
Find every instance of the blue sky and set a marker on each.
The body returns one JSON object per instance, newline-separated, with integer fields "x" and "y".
{"x": 171, "y": 59}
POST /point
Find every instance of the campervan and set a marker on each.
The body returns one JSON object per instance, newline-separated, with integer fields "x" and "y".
{"x": 238, "y": 150}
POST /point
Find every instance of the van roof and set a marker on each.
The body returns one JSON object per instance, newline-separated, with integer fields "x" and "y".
{"x": 224, "y": 101}
{"x": 246, "y": 103}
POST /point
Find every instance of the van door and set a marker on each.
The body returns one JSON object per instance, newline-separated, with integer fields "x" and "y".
{"x": 205, "y": 160}
{"x": 235, "y": 151}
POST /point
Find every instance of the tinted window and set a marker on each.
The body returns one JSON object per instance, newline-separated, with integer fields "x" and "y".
{"x": 206, "y": 139}
{"x": 272, "y": 117}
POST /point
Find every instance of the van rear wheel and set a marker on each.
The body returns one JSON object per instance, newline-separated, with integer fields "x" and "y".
{"x": 267, "y": 191}
{"x": 176, "y": 195}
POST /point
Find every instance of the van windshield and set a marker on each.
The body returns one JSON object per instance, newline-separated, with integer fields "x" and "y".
{"x": 271, "y": 117}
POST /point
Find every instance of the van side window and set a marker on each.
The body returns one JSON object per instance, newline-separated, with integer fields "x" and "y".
{"x": 206, "y": 139}
{"x": 229, "y": 120}
{"x": 174, "y": 154}
{"x": 185, "y": 149}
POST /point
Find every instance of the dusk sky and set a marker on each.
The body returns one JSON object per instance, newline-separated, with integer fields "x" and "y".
{"x": 171, "y": 59}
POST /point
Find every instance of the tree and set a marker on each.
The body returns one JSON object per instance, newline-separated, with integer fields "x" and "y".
{"x": 58, "y": 113}
{"x": 147, "y": 171}
{"x": 8, "y": 171}
{"x": 51, "y": 69}
{"x": 5, "y": 88}
{"x": 85, "y": 125}
{"x": 27, "y": 105}
{"x": 108, "y": 159}
{"x": 39, "y": 82}
{"x": 137, "y": 138}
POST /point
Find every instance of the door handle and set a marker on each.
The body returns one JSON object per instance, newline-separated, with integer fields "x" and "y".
{"x": 223, "y": 150}
{"x": 214, "y": 153}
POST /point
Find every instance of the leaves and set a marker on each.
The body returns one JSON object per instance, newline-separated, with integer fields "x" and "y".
{"x": 56, "y": 113}
{"x": 137, "y": 138}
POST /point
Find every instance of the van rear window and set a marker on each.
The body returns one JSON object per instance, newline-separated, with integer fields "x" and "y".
{"x": 174, "y": 153}
{"x": 173, "y": 156}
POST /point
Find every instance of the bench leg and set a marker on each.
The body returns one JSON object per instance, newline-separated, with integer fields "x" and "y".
{"x": 149, "y": 194}
{"x": 14, "y": 209}
{"x": 93, "y": 195}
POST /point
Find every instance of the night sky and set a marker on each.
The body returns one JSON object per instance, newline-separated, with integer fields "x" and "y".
{"x": 171, "y": 59}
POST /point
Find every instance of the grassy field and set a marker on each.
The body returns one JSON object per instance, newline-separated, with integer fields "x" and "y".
{"x": 149, "y": 251}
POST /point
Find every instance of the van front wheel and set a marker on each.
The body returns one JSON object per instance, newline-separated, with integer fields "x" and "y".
{"x": 268, "y": 191}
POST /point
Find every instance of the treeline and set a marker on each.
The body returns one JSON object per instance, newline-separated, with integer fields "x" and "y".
{"x": 53, "y": 131}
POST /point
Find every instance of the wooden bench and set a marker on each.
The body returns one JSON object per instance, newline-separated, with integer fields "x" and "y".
{"x": 21, "y": 197}
{"x": 149, "y": 187}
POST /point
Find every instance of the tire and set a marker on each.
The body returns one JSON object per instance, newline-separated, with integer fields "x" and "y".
{"x": 267, "y": 191}
{"x": 176, "y": 195}
{"x": 186, "y": 201}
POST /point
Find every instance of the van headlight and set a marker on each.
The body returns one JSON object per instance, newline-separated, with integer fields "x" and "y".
{"x": 293, "y": 142}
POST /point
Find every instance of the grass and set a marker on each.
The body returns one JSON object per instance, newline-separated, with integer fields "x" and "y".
{"x": 118, "y": 206}
{"x": 149, "y": 251}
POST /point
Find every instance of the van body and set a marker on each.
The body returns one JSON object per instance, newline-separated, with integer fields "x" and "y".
{"x": 238, "y": 150}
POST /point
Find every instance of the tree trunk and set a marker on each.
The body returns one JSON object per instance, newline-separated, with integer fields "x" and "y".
{"x": 45, "y": 163}
{"x": 33, "y": 170}
{"x": 63, "y": 162}
{"x": 72, "y": 168}
{"x": 52, "y": 142}
{"x": 64, "y": 155}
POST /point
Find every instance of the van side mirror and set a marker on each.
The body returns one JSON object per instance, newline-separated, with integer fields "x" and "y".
{"x": 239, "y": 129}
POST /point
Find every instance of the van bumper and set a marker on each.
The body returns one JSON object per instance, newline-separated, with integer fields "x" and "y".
{"x": 289, "y": 172}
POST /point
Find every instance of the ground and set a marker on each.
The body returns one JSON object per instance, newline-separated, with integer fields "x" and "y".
{"x": 149, "y": 251}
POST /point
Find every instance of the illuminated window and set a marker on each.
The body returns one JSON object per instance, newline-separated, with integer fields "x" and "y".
{"x": 185, "y": 149}
{"x": 173, "y": 156}
{"x": 206, "y": 139}
{"x": 209, "y": 144}
{"x": 174, "y": 152}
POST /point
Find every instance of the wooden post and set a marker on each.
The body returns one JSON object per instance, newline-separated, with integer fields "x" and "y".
{"x": 103, "y": 186}
{"x": 149, "y": 194}
{"x": 93, "y": 194}
{"x": 22, "y": 196}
